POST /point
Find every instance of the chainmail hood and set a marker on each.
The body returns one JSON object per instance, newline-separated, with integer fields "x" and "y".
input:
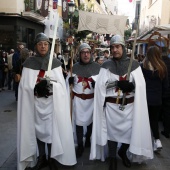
{"x": 120, "y": 66}
{"x": 38, "y": 62}
{"x": 86, "y": 70}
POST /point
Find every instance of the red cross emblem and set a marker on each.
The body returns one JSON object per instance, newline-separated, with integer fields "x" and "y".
{"x": 85, "y": 81}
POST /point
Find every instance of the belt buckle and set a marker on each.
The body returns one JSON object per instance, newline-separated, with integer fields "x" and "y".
{"x": 83, "y": 96}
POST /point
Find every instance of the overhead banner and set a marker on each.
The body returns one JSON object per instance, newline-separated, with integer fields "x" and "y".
{"x": 55, "y": 2}
{"x": 102, "y": 23}
{"x": 64, "y": 9}
{"x": 44, "y": 8}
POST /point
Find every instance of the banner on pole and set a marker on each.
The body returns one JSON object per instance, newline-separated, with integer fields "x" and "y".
{"x": 55, "y": 3}
{"x": 102, "y": 23}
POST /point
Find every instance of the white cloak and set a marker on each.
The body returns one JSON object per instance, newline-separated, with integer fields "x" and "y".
{"x": 62, "y": 149}
{"x": 82, "y": 110}
{"x": 128, "y": 126}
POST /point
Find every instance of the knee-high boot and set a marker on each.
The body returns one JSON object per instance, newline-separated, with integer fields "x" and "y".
{"x": 112, "y": 155}
{"x": 41, "y": 160}
{"x": 51, "y": 162}
{"x": 123, "y": 156}
{"x": 88, "y": 135}
{"x": 80, "y": 149}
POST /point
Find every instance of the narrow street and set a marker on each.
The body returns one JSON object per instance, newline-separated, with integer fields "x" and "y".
{"x": 8, "y": 155}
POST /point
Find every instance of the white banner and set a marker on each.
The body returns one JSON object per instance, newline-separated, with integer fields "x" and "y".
{"x": 102, "y": 23}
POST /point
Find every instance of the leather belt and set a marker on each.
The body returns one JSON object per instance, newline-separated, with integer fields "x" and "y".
{"x": 113, "y": 100}
{"x": 84, "y": 96}
{"x": 49, "y": 94}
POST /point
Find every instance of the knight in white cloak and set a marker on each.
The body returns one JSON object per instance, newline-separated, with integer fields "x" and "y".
{"x": 83, "y": 80}
{"x": 115, "y": 121}
{"x": 43, "y": 113}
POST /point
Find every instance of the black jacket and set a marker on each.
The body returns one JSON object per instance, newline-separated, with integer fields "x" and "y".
{"x": 155, "y": 87}
{"x": 167, "y": 62}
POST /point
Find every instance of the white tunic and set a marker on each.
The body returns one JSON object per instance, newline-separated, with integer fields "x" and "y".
{"x": 44, "y": 111}
{"x": 128, "y": 126}
{"x": 38, "y": 117}
{"x": 82, "y": 109}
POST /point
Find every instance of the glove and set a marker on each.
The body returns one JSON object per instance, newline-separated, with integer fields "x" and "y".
{"x": 71, "y": 80}
{"x": 125, "y": 86}
{"x": 93, "y": 84}
{"x": 41, "y": 89}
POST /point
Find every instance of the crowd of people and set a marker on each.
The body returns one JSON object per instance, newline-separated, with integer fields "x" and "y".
{"x": 112, "y": 101}
{"x": 10, "y": 65}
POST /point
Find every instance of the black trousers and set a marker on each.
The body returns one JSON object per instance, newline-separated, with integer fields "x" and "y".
{"x": 16, "y": 85}
{"x": 154, "y": 119}
{"x": 79, "y": 133}
{"x": 41, "y": 148}
{"x": 165, "y": 111}
{"x": 113, "y": 148}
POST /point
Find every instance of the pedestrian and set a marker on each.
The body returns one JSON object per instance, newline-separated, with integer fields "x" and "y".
{"x": 106, "y": 55}
{"x": 116, "y": 122}
{"x": 9, "y": 57}
{"x": 24, "y": 54}
{"x": 165, "y": 111}
{"x": 43, "y": 118}
{"x": 94, "y": 55}
{"x": 16, "y": 67}
{"x": 156, "y": 77}
{"x": 83, "y": 80}
{"x": 4, "y": 70}
{"x": 100, "y": 60}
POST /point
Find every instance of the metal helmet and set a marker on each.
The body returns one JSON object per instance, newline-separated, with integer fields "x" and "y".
{"x": 117, "y": 39}
{"x": 84, "y": 46}
{"x": 41, "y": 37}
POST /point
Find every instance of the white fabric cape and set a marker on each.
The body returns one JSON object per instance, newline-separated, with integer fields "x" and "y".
{"x": 140, "y": 142}
{"x": 63, "y": 149}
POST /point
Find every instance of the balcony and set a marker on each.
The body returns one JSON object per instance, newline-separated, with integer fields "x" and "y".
{"x": 33, "y": 16}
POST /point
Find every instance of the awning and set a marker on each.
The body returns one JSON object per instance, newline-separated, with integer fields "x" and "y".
{"x": 163, "y": 30}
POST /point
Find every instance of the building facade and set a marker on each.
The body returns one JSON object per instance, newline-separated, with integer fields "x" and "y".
{"x": 20, "y": 21}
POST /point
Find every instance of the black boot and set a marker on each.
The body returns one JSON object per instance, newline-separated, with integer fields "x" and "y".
{"x": 52, "y": 164}
{"x": 87, "y": 142}
{"x": 166, "y": 134}
{"x": 124, "y": 158}
{"x": 80, "y": 148}
{"x": 79, "y": 151}
{"x": 41, "y": 163}
{"x": 88, "y": 135}
{"x": 113, "y": 164}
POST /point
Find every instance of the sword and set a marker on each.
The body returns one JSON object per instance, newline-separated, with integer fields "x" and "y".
{"x": 52, "y": 48}
{"x": 110, "y": 85}
{"x": 122, "y": 106}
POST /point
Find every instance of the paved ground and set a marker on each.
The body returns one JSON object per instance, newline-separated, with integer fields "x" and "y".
{"x": 8, "y": 129}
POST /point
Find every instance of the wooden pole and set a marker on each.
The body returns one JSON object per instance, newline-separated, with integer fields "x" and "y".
{"x": 71, "y": 86}
{"x": 121, "y": 107}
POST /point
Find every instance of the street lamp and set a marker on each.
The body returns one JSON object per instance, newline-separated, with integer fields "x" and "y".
{"x": 71, "y": 6}
{"x": 71, "y": 9}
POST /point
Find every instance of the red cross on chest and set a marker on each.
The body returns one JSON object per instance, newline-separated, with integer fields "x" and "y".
{"x": 85, "y": 82}
{"x": 120, "y": 79}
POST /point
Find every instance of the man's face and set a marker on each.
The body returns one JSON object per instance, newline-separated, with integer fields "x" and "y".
{"x": 117, "y": 51}
{"x": 85, "y": 55}
{"x": 106, "y": 54}
{"x": 42, "y": 47}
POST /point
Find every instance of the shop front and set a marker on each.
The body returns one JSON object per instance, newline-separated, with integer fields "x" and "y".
{"x": 16, "y": 29}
